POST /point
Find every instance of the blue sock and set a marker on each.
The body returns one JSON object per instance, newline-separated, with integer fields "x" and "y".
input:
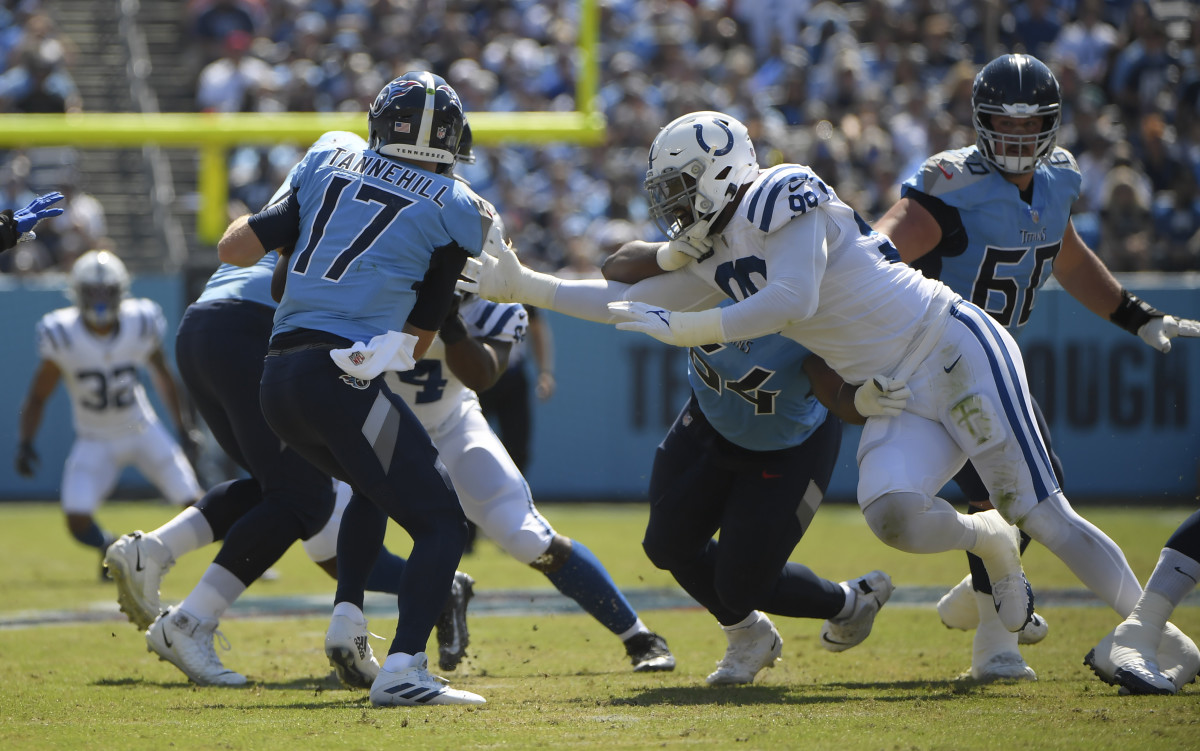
{"x": 96, "y": 537}
{"x": 385, "y": 576}
{"x": 585, "y": 580}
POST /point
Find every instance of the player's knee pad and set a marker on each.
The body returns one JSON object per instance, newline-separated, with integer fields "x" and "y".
{"x": 895, "y": 518}
{"x": 554, "y": 557}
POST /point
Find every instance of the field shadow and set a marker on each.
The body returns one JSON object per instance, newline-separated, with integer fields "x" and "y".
{"x": 895, "y": 691}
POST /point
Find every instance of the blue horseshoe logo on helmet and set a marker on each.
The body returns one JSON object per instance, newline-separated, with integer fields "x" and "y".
{"x": 704, "y": 145}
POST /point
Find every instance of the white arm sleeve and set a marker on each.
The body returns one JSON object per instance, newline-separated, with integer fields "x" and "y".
{"x": 589, "y": 298}
{"x": 796, "y": 258}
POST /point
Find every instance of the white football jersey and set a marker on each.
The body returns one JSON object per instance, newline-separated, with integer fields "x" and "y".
{"x": 102, "y": 373}
{"x": 433, "y": 392}
{"x": 821, "y": 277}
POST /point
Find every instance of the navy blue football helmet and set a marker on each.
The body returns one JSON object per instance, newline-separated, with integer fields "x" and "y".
{"x": 418, "y": 116}
{"x": 466, "y": 144}
{"x": 1016, "y": 86}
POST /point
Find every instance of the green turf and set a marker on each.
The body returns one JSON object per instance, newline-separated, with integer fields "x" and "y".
{"x": 561, "y": 681}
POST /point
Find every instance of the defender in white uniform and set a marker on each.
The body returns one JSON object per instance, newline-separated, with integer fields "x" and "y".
{"x": 98, "y": 347}
{"x": 799, "y": 261}
{"x": 493, "y": 493}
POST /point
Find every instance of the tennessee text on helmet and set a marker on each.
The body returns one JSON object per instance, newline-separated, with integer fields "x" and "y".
{"x": 418, "y": 116}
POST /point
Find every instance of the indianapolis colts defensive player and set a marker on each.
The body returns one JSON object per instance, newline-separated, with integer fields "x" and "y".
{"x": 751, "y": 455}
{"x": 468, "y": 356}
{"x": 799, "y": 261}
{"x": 380, "y": 236}
{"x": 219, "y": 350}
{"x": 98, "y": 347}
{"x": 993, "y": 222}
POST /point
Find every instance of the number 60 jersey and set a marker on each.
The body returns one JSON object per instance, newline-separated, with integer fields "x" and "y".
{"x": 996, "y": 250}
{"x": 101, "y": 372}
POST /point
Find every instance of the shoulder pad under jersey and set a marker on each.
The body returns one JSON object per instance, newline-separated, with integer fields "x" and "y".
{"x": 782, "y": 193}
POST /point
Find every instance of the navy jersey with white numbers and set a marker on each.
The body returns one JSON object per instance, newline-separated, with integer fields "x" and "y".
{"x": 996, "y": 248}
{"x": 755, "y": 393}
{"x": 365, "y": 229}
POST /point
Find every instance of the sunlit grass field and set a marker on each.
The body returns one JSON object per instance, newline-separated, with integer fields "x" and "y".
{"x": 559, "y": 680}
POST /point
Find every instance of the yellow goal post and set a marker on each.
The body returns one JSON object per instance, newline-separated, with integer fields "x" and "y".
{"x": 214, "y": 134}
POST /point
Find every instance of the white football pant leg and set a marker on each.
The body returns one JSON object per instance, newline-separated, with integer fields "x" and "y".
{"x": 491, "y": 489}
{"x": 89, "y": 475}
{"x": 159, "y": 458}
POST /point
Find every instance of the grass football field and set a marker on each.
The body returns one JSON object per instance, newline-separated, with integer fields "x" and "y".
{"x": 75, "y": 675}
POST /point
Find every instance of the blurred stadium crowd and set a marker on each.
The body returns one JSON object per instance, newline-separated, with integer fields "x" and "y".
{"x": 861, "y": 91}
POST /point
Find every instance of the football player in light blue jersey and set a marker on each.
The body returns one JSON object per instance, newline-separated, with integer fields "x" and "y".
{"x": 220, "y": 348}
{"x": 993, "y": 222}
{"x": 751, "y": 455}
{"x": 379, "y": 236}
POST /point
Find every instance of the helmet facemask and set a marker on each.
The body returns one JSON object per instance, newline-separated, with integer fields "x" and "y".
{"x": 99, "y": 303}
{"x": 1032, "y": 147}
{"x": 697, "y": 163}
{"x": 1016, "y": 86}
{"x": 676, "y": 205}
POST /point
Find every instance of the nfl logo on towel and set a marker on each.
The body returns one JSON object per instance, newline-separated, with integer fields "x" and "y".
{"x": 357, "y": 357}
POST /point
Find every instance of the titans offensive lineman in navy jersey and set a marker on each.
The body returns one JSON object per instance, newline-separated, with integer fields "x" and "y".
{"x": 751, "y": 455}
{"x": 993, "y": 222}
{"x": 380, "y": 235}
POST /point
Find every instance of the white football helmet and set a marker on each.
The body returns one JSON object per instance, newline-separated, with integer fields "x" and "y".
{"x": 99, "y": 282}
{"x": 696, "y": 165}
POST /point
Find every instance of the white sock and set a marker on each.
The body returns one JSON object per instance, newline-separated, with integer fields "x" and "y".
{"x": 188, "y": 531}
{"x": 1175, "y": 576}
{"x": 991, "y": 637}
{"x": 1153, "y": 610}
{"x": 351, "y": 611}
{"x": 212, "y": 596}
{"x": 397, "y": 661}
{"x": 851, "y": 601}
{"x": 637, "y": 628}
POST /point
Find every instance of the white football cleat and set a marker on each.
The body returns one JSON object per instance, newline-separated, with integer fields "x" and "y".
{"x": 999, "y": 545}
{"x": 1006, "y": 666}
{"x": 348, "y": 648}
{"x": 134, "y": 561}
{"x": 187, "y": 643}
{"x": 957, "y": 609}
{"x": 750, "y": 650}
{"x": 871, "y": 592}
{"x": 1178, "y": 658}
{"x": 414, "y": 686}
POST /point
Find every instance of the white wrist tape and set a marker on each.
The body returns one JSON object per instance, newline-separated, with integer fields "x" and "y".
{"x": 694, "y": 329}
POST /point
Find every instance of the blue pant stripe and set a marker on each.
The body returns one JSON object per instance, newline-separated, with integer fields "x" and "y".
{"x": 1015, "y": 410}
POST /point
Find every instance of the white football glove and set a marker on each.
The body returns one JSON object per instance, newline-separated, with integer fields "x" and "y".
{"x": 498, "y": 275}
{"x": 1160, "y": 330}
{"x": 679, "y": 329}
{"x": 679, "y": 253}
{"x": 880, "y": 397}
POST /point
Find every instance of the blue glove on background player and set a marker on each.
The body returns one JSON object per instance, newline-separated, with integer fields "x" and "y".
{"x": 14, "y": 225}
